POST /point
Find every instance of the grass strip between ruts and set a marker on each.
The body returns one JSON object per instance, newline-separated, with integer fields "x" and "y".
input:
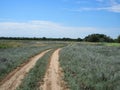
{"x": 36, "y": 74}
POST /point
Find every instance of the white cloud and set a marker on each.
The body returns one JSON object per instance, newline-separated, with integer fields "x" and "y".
{"x": 114, "y": 8}
{"x": 108, "y": 5}
{"x": 45, "y": 29}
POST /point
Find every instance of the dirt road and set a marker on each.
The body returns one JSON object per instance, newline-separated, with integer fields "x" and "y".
{"x": 14, "y": 79}
{"x": 53, "y": 77}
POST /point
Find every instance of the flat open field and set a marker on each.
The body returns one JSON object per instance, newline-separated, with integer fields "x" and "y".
{"x": 58, "y": 65}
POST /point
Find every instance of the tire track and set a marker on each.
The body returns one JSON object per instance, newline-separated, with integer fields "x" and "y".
{"x": 53, "y": 77}
{"x": 14, "y": 79}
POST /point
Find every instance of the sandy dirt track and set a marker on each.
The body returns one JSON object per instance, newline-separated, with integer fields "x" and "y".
{"x": 14, "y": 79}
{"x": 53, "y": 77}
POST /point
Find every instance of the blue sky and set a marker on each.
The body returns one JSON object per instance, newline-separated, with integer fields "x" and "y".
{"x": 59, "y": 18}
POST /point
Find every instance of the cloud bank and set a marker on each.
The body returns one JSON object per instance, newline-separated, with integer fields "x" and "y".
{"x": 37, "y": 28}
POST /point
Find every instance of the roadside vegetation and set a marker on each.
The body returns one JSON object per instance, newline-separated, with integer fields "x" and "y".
{"x": 35, "y": 77}
{"x": 91, "y": 67}
{"x": 12, "y": 56}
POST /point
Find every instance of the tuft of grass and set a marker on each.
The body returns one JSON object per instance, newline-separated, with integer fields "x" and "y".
{"x": 91, "y": 67}
{"x": 36, "y": 74}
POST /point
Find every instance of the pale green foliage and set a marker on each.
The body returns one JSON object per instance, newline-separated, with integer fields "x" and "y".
{"x": 13, "y": 57}
{"x": 91, "y": 67}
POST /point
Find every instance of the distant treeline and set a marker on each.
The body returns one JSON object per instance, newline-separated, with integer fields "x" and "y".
{"x": 89, "y": 38}
{"x": 43, "y": 38}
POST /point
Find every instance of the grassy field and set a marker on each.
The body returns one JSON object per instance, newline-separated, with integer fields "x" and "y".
{"x": 102, "y": 44}
{"x": 111, "y": 44}
{"x": 86, "y": 66}
{"x": 9, "y": 44}
{"x": 13, "y": 53}
{"x": 91, "y": 67}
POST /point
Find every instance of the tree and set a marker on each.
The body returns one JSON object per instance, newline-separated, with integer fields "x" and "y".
{"x": 118, "y": 39}
{"x": 98, "y": 38}
{"x": 44, "y": 38}
{"x": 79, "y": 39}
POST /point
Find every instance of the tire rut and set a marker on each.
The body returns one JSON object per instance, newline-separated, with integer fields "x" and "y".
{"x": 14, "y": 79}
{"x": 53, "y": 77}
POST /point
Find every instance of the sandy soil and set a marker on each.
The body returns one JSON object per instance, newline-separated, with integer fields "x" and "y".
{"x": 14, "y": 79}
{"x": 53, "y": 77}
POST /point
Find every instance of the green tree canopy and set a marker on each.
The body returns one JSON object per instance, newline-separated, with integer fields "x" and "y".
{"x": 118, "y": 39}
{"x": 98, "y": 38}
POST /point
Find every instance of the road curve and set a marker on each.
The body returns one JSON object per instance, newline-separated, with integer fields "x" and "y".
{"x": 14, "y": 79}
